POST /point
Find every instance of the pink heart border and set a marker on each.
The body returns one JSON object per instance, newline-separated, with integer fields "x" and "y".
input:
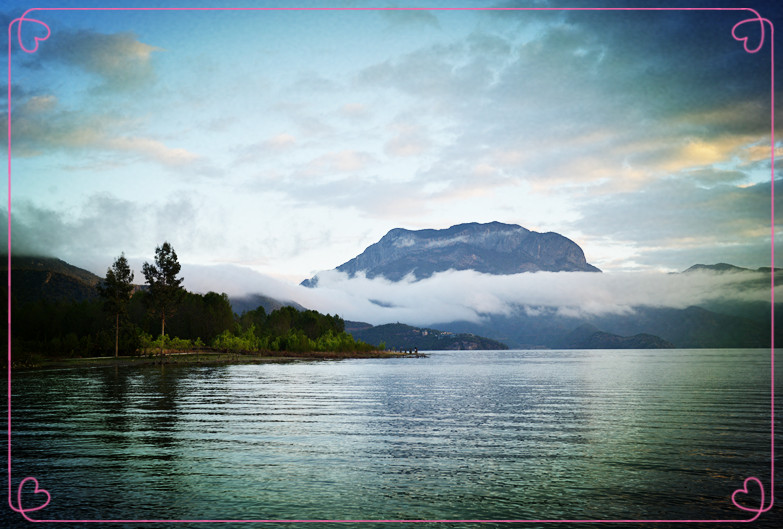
{"x": 37, "y": 490}
{"x": 19, "y": 21}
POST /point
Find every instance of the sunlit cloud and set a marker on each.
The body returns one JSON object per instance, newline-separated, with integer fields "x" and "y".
{"x": 153, "y": 149}
{"x": 120, "y": 60}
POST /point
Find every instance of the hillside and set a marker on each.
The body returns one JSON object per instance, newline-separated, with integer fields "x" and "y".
{"x": 590, "y": 337}
{"x": 241, "y": 304}
{"x": 693, "y": 327}
{"x": 406, "y": 337}
{"x": 50, "y": 279}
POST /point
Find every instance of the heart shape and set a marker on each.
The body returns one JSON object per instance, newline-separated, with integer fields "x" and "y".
{"x": 36, "y": 39}
{"x": 744, "y": 490}
{"x": 36, "y": 490}
{"x": 744, "y": 40}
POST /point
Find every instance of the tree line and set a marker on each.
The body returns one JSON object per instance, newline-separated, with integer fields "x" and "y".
{"x": 162, "y": 316}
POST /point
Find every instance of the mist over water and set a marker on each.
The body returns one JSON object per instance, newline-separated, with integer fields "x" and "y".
{"x": 483, "y": 435}
{"x": 472, "y": 296}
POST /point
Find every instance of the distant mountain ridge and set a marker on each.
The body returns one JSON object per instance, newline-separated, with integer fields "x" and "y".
{"x": 407, "y": 337}
{"x": 588, "y": 336}
{"x": 720, "y": 268}
{"x": 492, "y": 248}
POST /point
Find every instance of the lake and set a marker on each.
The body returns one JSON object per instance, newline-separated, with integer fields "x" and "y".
{"x": 487, "y": 435}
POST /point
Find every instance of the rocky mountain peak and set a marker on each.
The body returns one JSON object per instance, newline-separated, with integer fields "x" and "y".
{"x": 492, "y": 248}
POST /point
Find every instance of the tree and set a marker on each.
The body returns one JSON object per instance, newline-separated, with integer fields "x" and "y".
{"x": 116, "y": 291}
{"x": 165, "y": 287}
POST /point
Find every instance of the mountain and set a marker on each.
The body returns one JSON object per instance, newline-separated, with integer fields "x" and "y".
{"x": 590, "y": 337}
{"x": 50, "y": 279}
{"x": 253, "y": 301}
{"x": 406, "y": 337}
{"x": 720, "y": 268}
{"x": 693, "y": 327}
{"x": 492, "y": 248}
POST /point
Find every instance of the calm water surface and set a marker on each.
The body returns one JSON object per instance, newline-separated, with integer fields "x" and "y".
{"x": 458, "y": 435}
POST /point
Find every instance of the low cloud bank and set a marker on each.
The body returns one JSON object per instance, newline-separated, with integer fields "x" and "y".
{"x": 472, "y": 296}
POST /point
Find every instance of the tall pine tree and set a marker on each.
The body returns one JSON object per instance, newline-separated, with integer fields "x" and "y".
{"x": 116, "y": 290}
{"x": 165, "y": 288}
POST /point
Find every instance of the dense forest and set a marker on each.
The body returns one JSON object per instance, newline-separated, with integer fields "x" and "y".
{"x": 161, "y": 316}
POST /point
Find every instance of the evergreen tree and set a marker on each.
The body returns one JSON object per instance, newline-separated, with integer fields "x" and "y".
{"x": 116, "y": 291}
{"x": 165, "y": 287}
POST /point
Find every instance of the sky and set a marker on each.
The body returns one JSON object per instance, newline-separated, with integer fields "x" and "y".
{"x": 286, "y": 142}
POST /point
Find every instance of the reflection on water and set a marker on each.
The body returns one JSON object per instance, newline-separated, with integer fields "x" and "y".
{"x": 481, "y": 435}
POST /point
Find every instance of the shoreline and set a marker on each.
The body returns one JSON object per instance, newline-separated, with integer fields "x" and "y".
{"x": 204, "y": 358}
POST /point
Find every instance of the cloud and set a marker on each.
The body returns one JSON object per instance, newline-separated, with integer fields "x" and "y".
{"x": 310, "y": 123}
{"x": 312, "y": 82}
{"x": 345, "y": 161}
{"x": 120, "y": 60}
{"x": 425, "y": 73}
{"x": 277, "y": 144}
{"x": 236, "y": 281}
{"x": 355, "y": 111}
{"x": 471, "y": 296}
{"x": 587, "y": 99}
{"x": 410, "y": 140}
{"x": 153, "y": 149}
{"x": 679, "y": 221}
{"x": 41, "y": 125}
{"x": 635, "y": 129}
{"x": 411, "y": 18}
{"x": 104, "y": 225}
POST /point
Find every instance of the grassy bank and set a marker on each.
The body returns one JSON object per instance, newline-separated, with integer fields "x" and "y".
{"x": 200, "y": 358}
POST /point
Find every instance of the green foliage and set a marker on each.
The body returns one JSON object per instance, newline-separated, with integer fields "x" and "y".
{"x": 288, "y": 329}
{"x": 117, "y": 287}
{"x": 202, "y": 316}
{"x": 163, "y": 344}
{"x": 61, "y": 328}
{"x": 116, "y": 290}
{"x": 165, "y": 288}
{"x": 256, "y": 317}
{"x": 85, "y": 328}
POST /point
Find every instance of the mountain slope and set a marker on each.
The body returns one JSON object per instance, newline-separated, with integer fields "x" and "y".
{"x": 35, "y": 278}
{"x": 400, "y": 336}
{"x": 492, "y": 248}
{"x": 590, "y": 337}
{"x": 241, "y": 304}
